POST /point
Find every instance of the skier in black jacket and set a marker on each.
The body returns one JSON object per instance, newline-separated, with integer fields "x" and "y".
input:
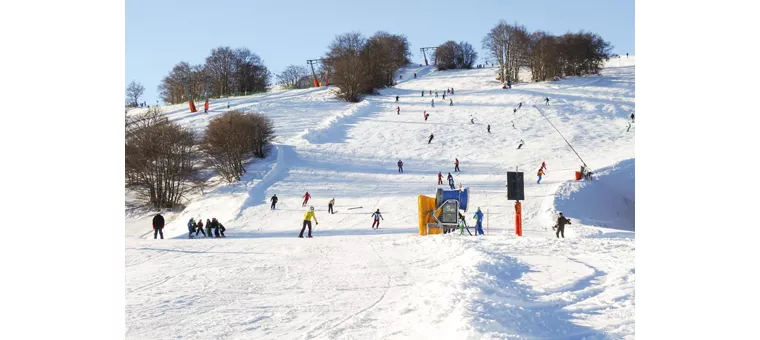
{"x": 561, "y": 222}
{"x": 274, "y": 201}
{"x": 158, "y": 226}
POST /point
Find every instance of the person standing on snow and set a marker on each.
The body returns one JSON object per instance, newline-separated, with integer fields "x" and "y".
{"x": 449, "y": 177}
{"x": 396, "y": 99}
{"x": 377, "y": 217}
{"x": 208, "y": 228}
{"x": 398, "y": 110}
{"x": 423, "y": 93}
{"x": 400, "y": 166}
{"x": 199, "y": 228}
{"x": 451, "y": 102}
{"x": 632, "y": 121}
{"x": 307, "y": 221}
{"x": 519, "y": 105}
{"x": 521, "y": 144}
{"x": 305, "y": 199}
{"x": 456, "y": 164}
{"x": 451, "y": 183}
{"x": 431, "y": 138}
{"x": 540, "y": 174}
{"x": 215, "y": 225}
{"x": 158, "y": 226}
{"x": 452, "y": 90}
{"x": 547, "y": 100}
{"x": 330, "y": 206}
{"x": 514, "y": 111}
{"x": 561, "y": 222}
{"x": 472, "y": 120}
{"x": 415, "y": 75}
{"x": 489, "y": 128}
{"x": 426, "y": 115}
{"x": 191, "y": 227}
{"x": 509, "y": 84}
{"x": 479, "y": 222}
{"x": 436, "y": 93}
{"x": 432, "y": 102}
{"x": 274, "y": 201}
{"x": 440, "y": 178}
{"x": 431, "y": 92}
{"x": 444, "y": 96}
{"x": 513, "y": 125}
{"x": 222, "y": 229}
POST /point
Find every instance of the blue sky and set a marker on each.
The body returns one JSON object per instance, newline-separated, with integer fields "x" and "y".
{"x": 159, "y": 34}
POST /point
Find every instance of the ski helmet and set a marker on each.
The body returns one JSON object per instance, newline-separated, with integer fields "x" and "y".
{"x": 311, "y": 208}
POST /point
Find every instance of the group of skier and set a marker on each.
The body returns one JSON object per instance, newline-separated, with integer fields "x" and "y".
{"x": 192, "y": 227}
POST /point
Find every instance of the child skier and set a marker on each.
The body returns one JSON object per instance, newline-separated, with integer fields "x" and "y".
{"x": 398, "y": 110}
{"x": 456, "y": 164}
{"x": 191, "y": 227}
{"x": 307, "y": 221}
{"x": 208, "y": 228}
{"x": 400, "y": 166}
{"x": 479, "y": 222}
{"x": 540, "y": 173}
{"x": 377, "y": 217}
{"x": 199, "y": 228}
{"x": 440, "y": 178}
{"x": 305, "y": 199}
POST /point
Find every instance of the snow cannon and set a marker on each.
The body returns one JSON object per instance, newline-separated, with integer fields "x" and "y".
{"x": 438, "y": 214}
{"x": 441, "y": 195}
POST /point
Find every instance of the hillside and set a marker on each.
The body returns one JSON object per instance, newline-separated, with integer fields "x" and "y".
{"x": 352, "y": 282}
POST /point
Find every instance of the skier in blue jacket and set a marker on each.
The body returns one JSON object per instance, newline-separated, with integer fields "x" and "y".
{"x": 479, "y": 224}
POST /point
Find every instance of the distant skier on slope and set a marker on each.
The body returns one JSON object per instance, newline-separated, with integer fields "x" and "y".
{"x": 451, "y": 183}
{"x": 423, "y": 93}
{"x": 450, "y": 178}
{"x": 521, "y": 144}
{"x": 472, "y": 120}
{"x": 307, "y": 221}
{"x": 305, "y": 199}
{"x": 519, "y": 105}
{"x": 400, "y": 166}
{"x": 561, "y": 222}
{"x": 158, "y": 226}
{"x": 376, "y": 215}
{"x": 514, "y": 111}
{"x": 451, "y": 102}
{"x": 396, "y": 99}
{"x": 479, "y": 222}
{"x": 444, "y": 96}
{"x": 208, "y": 228}
{"x": 513, "y": 125}
{"x": 274, "y": 201}
{"x": 431, "y": 138}
{"x": 432, "y": 102}
{"x": 509, "y": 84}
{"x": 415, "y": 75}
{"x": 489, "y": 128}
{"x": 452, "y": 90}
{"x": 540, "y": 174}
{"x": 456, "y": 164}
{"x": 436, "y": 93}
{"x": 632, "y": 117}
{"x": 398, "y": 110}
{"x": 547, "y": 100}
{"x": 440, "y": 178}
{"x": 216, "y": 226}
{"x": 330, "y": 206}
{"x": 426, "y": 115}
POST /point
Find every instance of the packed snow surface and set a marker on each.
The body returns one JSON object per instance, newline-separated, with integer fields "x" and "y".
{"x": 353, "y": 282}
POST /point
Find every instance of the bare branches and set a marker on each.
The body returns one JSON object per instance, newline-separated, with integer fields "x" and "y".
{"x": 134, "y": 92}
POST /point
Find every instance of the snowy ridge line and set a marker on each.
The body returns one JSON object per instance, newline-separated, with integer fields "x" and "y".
{"x": 331, "y": 130}
{"x": 257, "y": 193}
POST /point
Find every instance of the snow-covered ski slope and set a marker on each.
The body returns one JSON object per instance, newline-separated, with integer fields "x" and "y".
{"x": 352, "y": 282}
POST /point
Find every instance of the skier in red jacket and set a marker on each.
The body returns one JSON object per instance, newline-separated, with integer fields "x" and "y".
{"x": 306, "y": 199}
{"x": 440, "y": 178}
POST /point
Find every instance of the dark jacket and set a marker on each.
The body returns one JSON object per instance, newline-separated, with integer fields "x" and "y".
{"x": 214, "y": 223}
{"x": 561, "y": 221}
{"x": 158, "y": 221}
{"x": 274, "y": 199}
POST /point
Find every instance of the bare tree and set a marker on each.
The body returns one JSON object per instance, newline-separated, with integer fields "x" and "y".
{"x": 134, "y": 92}
{"x": 234, "y": 137}
{"x": 291, "y": 75}
{"x": 344, "y": 62}
{"x": 159, "y": 158}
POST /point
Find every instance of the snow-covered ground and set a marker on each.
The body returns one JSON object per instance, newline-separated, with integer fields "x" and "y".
{"x": 352, "y": 282}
